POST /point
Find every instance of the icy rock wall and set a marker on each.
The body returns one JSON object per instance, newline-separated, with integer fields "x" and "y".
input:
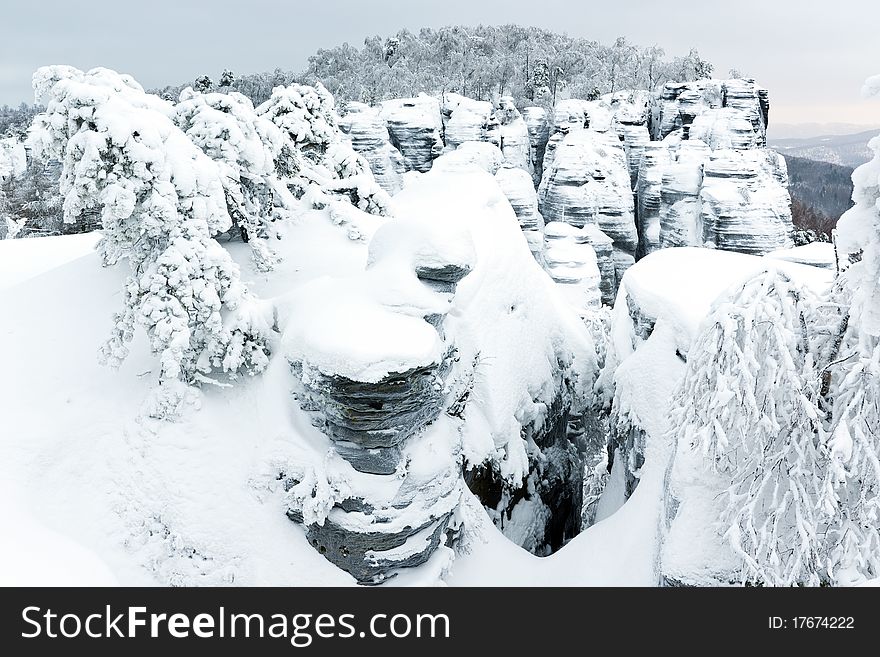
{"x": 414, "y": 125}
{"x": 369, "y": 136}
{"x": 539, "y": 133}
{"x": 681, "y": 182}
{"x": 465, "y": 119}
{"x": 571, "y": 262}
{"x": 744, "y": 206}
{"x": 649, "y": 183}
{"x": 588, "y": 183}
{"x": 517, "y": 186}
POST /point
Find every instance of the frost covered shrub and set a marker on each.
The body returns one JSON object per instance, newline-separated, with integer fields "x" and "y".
{"x": 318, "y": 154}
{"x": 161, "y": 199}
{"x": 245, "y": 147}
{"x": 749, "y": 401}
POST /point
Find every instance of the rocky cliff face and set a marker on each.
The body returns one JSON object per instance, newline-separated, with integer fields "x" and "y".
{"x": 539, "y": 133}
{"x": 414, "y": 125}
{"x": 517, "y": 186}
{"x": 572, "y": 264}
{"x": 744, "y": 201}
{"x": 683, "y": 167}
{"x": 588, "y": 183}
{"x": 369, "y": 136}
{"x": 681, "y": 182}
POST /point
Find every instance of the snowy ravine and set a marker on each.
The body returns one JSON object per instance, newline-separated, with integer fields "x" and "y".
{"x": 200, "y": 500}
{"x": 437, "y": 341}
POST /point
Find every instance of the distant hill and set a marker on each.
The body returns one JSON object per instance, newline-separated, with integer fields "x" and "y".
{"x": 778, "y": 131}
{"x": 846, "y": 150}
{"x": 820, "y": 193}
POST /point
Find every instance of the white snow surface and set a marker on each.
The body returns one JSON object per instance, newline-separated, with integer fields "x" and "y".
{"x": 22, "y": 259}
{"x": 817, "y": 254}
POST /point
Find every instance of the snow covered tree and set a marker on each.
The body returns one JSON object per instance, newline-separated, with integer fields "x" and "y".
{"x": 245, "y": 146}
{"x": 227, "y": 78}
{"x": 853, "y": 382}
{"x": 320, "y": 158}
{"x": 203, "y": 83}
{"x": 161, "y": 199}
{"x": 749, "y": 401}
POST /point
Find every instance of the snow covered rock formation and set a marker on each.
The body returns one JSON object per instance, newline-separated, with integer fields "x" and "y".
{"x": 518, "y": 187}
{"x": 685, "y": 166}
{"x": 588, "y": 183}
{"x": 414, "y": 125}
{"x": 465, "y": 119}
{"x": 539, "y": 133}
{"x": 571, "y": 262}
{"x": 369, "y": 137}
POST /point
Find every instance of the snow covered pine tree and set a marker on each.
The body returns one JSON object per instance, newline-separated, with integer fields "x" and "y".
{"x": 322, "y": 160}
{"x": 161, "y": 201}
{"x": 245, "y": 146}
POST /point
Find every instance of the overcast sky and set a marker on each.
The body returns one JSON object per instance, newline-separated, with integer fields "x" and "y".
{"x": 813, "y": 55}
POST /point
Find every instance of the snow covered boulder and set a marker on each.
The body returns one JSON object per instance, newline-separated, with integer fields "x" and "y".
{"x": 414, "y": 125}
{"x": 377, "y": 382}
{"x": 374, "y": 387}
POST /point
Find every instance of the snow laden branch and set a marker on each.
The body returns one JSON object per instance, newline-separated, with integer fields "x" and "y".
{"x": 245, "y": 147}
{"x": 749, "y": 401}
{"x": 161, "y": 201}
{"x": 319, "y": 161}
